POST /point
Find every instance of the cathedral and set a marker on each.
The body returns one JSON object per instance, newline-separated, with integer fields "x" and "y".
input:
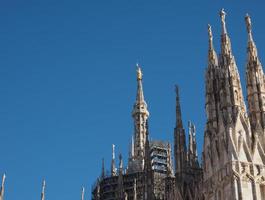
{"x": 232, "y": 165}
{"x": 233, "y": 157}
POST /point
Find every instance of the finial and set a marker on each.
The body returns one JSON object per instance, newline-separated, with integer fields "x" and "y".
{"x": 132, "y": 148}
{"x": 210, "y": 34}
{"x": 248, "y": 23}
{"x": 139, "y": 72}
{"x": 2, "y": 187}
{"x": 113, "y": 151}
{"x": 121, "y": 162}
{"x": 249, "y": 27}
{"x": 223, "y": 15}
{"x": 83, "y": 193}
{"x": 103, "y": 168}
{"x": 177, "y": 90}
{"x": 193, "y": 130}
{"x": 113, "y": 168}
{"x": 178, "y": 109}
{"x": 43, "y": 190}
{"x": 3, "y": 180}
{"x": 43, "y": 186}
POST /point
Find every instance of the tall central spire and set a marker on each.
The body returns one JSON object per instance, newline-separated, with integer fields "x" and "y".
{"x": 140, "y": 115}
{"x": 140, "y": 92}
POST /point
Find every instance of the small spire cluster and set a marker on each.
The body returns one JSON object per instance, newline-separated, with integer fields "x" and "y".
{"x": 233, "y": 134}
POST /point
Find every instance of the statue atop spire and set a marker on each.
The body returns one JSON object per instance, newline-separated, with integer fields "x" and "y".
{"x": 210, "y": 34}
{"x": 140, "y": 93}
{"x": 212, "y": 57}
{"x": 139, "y": 72}
{"x": 252, "y": 49}
{"x": 223, "y": 15}
{"x": 248, "y": 23}
{"x": 225, "y": 40}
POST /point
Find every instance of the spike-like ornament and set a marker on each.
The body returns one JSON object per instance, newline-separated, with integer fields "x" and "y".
{"x": 212, "y": 57}
{"x": 179, "y": 123}
{"x": 113, "y": 167}
{"x": 43, "y": 190}
{"x": 103, "y": 168}
{"x": 2, "y": 189}
{"x": 83, "y": 193}
{"x": 252, "y": 49}
{"x": 225, "y": 40}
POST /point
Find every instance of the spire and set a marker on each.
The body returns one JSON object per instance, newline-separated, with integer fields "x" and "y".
{"x": 120, "y": 164}
{"x": 195, "y": 162}
{"x": 178, "y": 109}
{"x": 140, "y": 115}
{"x": 103, "y": 168}
{"x": 2, "y": 189}
{"x": 212, "y": 57}
{"x": 132, "y": 149}
{"x": 255, "y": 82}
{"x": 226, "y": 44}
{"x": 83, "y": 193}
{"x": 179, "y": 138}
{"x": 113, "y": 167}
{"x": 120, "y": 189}
{"x": 212, "y": 78}
{"x": 190, "y": 151}
{"x": 231, "y": 95}
{"x": 193, "y": 154}
{"x": 43, "y": 190}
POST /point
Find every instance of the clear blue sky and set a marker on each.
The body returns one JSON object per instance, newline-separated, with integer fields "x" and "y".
{"x": 67, "y": 81}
